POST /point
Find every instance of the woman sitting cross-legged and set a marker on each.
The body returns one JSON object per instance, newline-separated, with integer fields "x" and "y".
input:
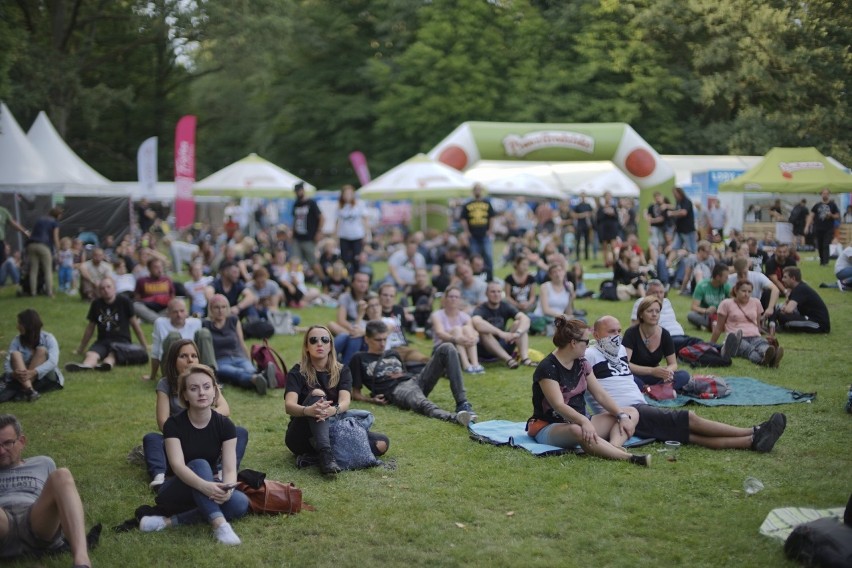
{"x": 647, "y": 344}
{"x": 319, "y": 389}
{"x": 741, "y": 315}
{"x": 559, "y": 408}
{"x": 195, "y": 440}
{"x": 182, "y": 354}
{"x": 31, "y": 362}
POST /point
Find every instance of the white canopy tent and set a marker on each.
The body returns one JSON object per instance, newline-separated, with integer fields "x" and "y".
{"x": 250, "y": 177}
{"x": 419, "y": 177}
{"x": 523, "y": 184}
{"x": 62, "y": 159}
{"x": 22, "y": 167}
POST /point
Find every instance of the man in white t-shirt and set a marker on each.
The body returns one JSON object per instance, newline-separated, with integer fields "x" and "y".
{"x": 843, "y": 269}
{"x": 403, "y": 264}
{"x": 40, "y": 507}
{"x": 760, "y": 283}
{"x": 608, "y": 359}
{"x": 176, "y": 326}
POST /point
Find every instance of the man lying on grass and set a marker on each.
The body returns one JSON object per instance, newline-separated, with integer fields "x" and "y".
{"x": 384, "y": 374}
{"x": 609, "y": 364}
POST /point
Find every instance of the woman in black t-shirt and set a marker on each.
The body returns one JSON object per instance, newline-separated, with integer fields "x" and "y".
{"x": 195, "y": 440}
{"x": 559, "y": 409}
{"x": 520, "y": 286}
{"x": 647, "y": 344}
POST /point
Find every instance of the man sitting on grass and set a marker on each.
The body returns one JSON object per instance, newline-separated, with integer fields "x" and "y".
{"x": 609, "y": 364}
{"x": 40, "y": 506}
{"x": 113, "y": 316}
{"x": 384, "y": 374}
{"x": 804, "y": 309}
{"x": 490, "y": 319}
{"x": 176, "y": 326}
{"x": 708, "y": 294}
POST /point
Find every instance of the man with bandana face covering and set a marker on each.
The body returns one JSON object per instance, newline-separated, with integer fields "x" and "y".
{"x": 609, "y": 364}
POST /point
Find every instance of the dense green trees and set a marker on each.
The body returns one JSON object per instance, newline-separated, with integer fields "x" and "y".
{"x": 305, "y": 82}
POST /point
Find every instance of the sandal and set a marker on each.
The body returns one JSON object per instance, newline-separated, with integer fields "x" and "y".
{"x": 529, "y": 363}
{"x": 511, "y": 363}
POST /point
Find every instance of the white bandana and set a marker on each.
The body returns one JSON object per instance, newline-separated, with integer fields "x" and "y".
{"x": 610, "y": 348}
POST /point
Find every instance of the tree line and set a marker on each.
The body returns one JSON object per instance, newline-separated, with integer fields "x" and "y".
{"x": 305, "y": 82}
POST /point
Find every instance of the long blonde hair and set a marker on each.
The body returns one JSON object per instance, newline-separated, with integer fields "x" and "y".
{"x": 306, "y": 367}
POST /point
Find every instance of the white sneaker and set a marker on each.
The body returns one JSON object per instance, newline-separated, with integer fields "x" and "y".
{"x": 152, "y": 524}
{"x": 158, "y": 480}
{"x": 464, "y": 417}
{"x": 226, "y": 535}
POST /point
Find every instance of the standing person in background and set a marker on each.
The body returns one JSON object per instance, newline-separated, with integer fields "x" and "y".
{"x": 583, "y": 215}
{"x": 353, "y": 226}
{"x": 821, "y": 220}
{"x": 307, "y": 229}
{"x": 44, "y": 239}
{"x": 608, "y": 227}
{"x": 684, "y": 220}
{"x": 798, "y": 218}
{"x": 717, "y": 217}
{"x": 476, "y": 221}
{"x": 656, "y": 217}
{"x": 5, "y": 217}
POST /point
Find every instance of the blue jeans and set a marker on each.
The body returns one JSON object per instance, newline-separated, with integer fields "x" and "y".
{"x": 347, "y": 347}
{"x": 194, "y": 506}
{"x": 689, "y": 241}
{"x": 9, "y": 270}
{"x": 236, "y": 370}
{"x": 845, "y": 275}
{"x": 155, "y": 451}
{"x": 66, "y": 274}
{"x": 680, "y": 379}
{"x": 483, "y": 246}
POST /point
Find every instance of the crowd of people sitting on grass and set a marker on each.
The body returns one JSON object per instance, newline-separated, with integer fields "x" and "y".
{"x": 587, "y": 392}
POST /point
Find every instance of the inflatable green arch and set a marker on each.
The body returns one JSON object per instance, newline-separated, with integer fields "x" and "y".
{"x": 509, "y": 141}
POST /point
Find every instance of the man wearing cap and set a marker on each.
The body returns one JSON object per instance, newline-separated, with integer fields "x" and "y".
{"x": 307, "y": 229}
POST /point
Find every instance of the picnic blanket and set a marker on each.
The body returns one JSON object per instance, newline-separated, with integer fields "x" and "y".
{"x": 744, "y": 392}
{"x": 507, "y": 433}
{"x": 779, "y": 523}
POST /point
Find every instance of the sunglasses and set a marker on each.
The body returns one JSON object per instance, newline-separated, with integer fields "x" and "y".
{"x": 314, "y": 340}
{"x": 586, "y": 341}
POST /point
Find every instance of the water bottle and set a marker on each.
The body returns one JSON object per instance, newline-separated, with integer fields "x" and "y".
{"x": 772, "y": 329}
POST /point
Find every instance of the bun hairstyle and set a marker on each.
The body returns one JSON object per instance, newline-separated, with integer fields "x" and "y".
{"x": 568, "y": 330}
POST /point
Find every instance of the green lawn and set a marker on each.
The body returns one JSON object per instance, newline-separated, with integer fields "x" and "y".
{"x": 450, "y": 501}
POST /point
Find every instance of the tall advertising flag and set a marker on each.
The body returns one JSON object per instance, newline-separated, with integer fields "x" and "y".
{"x": 184, "y": 171}
{"x": 146, "y": 165}
{"x": 359, "y": 164}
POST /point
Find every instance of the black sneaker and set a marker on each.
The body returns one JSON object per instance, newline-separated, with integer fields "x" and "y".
{"x": 32, "y": 395}
{"x": 767, "y": 434}
{"x": 76, "y": 367}
{"x": 641, "y": 459}
{"x": 464, "y": 406}
{"x": 732, "y": 344}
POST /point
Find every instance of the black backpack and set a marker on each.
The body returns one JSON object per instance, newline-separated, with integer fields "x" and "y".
{"x": 609, "y": 291}
{"x": 823, "y": 542}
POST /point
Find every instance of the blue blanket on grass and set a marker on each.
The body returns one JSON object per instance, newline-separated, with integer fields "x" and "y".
{"x": 506, "y": 433}
{"x": 744, "y": 392}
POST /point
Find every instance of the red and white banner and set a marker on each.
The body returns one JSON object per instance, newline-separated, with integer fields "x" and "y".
{"x": 146, "y": 165}
{"x": 359, "y": 164}
{"x": 184, "y": 171}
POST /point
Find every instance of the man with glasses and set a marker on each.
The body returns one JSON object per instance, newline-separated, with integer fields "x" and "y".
{"x": 608, "y": 359}
{"x": 384, "y": 374}
{"x": 40, "y": 506}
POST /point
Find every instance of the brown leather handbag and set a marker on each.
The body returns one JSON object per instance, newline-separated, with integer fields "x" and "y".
{"x": 274, "y": 498}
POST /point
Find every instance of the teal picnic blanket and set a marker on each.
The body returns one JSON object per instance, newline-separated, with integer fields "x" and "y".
{"x": 514, "y": 434}
{"x": 744, "y": 392}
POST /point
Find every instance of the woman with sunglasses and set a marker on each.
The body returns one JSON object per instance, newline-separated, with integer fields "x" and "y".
{"x": 318, "y": 388}
{"x": 647, "y": 344}
{"x": 559, "y": 408}
{"x": 182, "y": 354}
{"x": 195, "y": 441}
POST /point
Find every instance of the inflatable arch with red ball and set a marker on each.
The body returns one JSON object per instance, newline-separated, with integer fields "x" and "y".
{"x": 510, "y": 141}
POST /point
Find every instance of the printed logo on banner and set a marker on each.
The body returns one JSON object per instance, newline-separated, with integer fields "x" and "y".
{"x": 518, "y": 146}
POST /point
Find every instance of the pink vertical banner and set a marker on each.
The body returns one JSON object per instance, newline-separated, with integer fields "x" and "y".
{"x": 359, "y": 164}
{"x": 184, "y": 171}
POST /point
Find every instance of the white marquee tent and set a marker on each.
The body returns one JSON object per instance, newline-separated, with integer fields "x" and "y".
{"x": 250, "y": 177}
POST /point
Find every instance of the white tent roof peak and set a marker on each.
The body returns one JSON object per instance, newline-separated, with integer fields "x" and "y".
{"x": 419, "y": 177}
{"x": 62, "y": 159}
{"x": 20, "y": 161}
{"x": 251, "y": 177}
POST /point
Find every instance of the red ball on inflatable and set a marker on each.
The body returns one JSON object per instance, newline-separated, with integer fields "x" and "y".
{"x": 640, "y": 163}
{"x": 787, "y": 175}
{"x": 454, "y": 156}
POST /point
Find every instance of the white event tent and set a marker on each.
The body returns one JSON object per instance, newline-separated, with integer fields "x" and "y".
{"x": 250, "y": 177}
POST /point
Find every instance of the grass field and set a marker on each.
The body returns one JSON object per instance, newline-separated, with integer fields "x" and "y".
{"x": 450, "y": 501}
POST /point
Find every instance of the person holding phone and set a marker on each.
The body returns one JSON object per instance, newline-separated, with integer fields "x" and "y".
{"x": 195, "y": 440}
